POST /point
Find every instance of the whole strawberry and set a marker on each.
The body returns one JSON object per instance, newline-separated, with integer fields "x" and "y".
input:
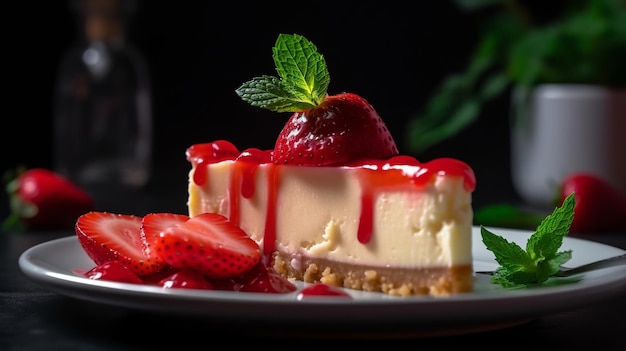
{"x": 41, "y": 199}
{"x": 323, "y": 129}
{"x": 600, "y": 207}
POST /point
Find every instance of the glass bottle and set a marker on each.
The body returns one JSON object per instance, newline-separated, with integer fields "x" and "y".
{"x": 103, "y": 119}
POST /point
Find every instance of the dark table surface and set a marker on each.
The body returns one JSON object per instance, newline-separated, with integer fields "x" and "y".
{"x": 34, "y": 318}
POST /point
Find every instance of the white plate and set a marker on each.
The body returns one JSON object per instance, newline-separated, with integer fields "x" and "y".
{"x": 489, "y": 306}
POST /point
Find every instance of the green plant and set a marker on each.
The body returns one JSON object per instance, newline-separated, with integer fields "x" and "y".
{"x": 585, "y": 43}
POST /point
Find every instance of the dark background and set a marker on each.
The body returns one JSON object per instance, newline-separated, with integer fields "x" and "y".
{"x": 199, "y": 52}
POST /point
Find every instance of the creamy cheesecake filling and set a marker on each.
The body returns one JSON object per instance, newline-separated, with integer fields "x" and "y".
{"x": 409, "y": 227}
{"x": 403, "y": 229}
{"x": 430, "y": 225}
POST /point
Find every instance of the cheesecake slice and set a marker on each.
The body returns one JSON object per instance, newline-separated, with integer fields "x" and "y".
{"x": 334, "y": 201}
{"x": 395, "y": 226}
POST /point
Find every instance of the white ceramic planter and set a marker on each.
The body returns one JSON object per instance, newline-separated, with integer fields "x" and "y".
{"x": 560, "y": 129}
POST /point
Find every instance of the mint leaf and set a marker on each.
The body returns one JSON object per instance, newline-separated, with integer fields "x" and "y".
{"x": 508, "y": 254}
{"x": 268, "y": 92}
{"x": 303, "y": 78}
{"x": 548, "y": 238}
{"x": 541, "y": 259}
{"x": 301, "y": 67}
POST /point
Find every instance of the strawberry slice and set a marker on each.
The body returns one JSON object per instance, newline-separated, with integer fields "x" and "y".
{"x": 113, "y": 271}
{"x": 114, "y": 237}
{"x": 263, "y": 279}
{"x": 343, "y": 128}
{"x": 210, "y": 244}
{"x": 152, "y": 225}
{"x": 186, "y": 279}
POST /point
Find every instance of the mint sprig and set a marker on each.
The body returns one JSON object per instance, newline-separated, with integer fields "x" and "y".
{"x": 541, "y": 259}
{"x": 303, "y": 78}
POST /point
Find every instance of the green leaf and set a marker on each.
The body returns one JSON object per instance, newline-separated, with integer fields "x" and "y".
{"x": 540, "y": 260}
{"x": 508, "y": 216}
{"x": 268, "y": 92}
{"x": 513, "y": 278}
{"x": 303, "y": 78}
{"x": 301, "y": 67}
{"x": 550, "y": 233}
{"x": 494, "y": 86}
{"x": 507, "y": 253}
{"x": 459, "y": 100}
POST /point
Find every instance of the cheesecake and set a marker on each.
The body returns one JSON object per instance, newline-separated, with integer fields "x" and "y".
{"x": 395, "y": 226}
{"x": 334, "y": 201}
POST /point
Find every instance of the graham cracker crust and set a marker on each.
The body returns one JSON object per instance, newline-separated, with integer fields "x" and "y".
{"x": 433, "y": 281}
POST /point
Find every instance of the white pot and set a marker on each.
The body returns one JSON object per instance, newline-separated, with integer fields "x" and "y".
{"x": 558, "y": 129}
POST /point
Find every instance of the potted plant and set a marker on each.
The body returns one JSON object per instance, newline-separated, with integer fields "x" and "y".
{"x": 579, "y": 49}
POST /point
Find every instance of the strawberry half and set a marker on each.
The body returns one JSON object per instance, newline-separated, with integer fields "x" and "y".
{"x": 343, "y": 128}
{"x": 152, "y": 225}
{"x": 44, "y": 200}
{"x": 115, "y": 237}
{"x": 210, "y": 244}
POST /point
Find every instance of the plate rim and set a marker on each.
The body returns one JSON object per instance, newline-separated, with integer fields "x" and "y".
{"x": 474, "y": 307}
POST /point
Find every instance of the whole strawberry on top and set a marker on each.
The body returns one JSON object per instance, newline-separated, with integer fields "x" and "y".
{"x": 323, "y": 129}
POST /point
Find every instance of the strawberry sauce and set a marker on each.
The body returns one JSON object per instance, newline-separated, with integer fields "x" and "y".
{"x": 400, "y": 171}
{"x": 320, "y": 289}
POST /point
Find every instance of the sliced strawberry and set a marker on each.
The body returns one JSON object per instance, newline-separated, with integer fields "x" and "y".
{"x": 225, "y": 284}
{"x": 113, "y": 271}
{"x": 186, "y": 279}
{"x": 343, "y": 128}
{"x": 151, "y": 227}
{"x": 156, "y": 277}
{"x": 263, "y": 280}
{"x": 209, "y": 243}
{"x": 114, "y": 237}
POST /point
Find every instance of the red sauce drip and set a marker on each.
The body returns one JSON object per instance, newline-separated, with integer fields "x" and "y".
{"x": 320, "y": 289}
{"x": 452, "y": 166}
{"x": 247, "y": 180}
{"x": 249, "y": 161}
{"x": 366, "y": 220}
{"x": 201, "y": 174}
{"x": 269, "y": 237}
{"x": 421, "y": 173}
{"x": 234, "y": 212}
{"x": 242, "y": 179}
{"x": 398, "y": 168}
{"x": 202, "y": 155}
